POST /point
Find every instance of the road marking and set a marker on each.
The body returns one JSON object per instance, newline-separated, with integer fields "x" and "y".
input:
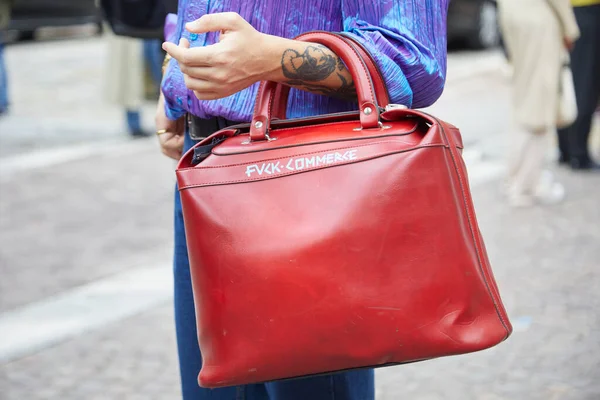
{"x": 73, "y": 312}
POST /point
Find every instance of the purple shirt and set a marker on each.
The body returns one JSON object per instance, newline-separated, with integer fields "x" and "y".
{"x": 407, "y": 39}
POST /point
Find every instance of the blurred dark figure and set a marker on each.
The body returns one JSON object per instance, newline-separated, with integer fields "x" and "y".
{"x": 5, "y": 6}
{"x": 585, "y": 63}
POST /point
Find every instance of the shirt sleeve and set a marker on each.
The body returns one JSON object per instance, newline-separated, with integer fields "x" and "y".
{"x": 566, "y": 17}
{"x": 407, "y": 40}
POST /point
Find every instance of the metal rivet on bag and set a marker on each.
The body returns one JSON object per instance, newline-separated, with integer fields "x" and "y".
{"x": 368, "y": 110}
{"x": 258, "y": 124}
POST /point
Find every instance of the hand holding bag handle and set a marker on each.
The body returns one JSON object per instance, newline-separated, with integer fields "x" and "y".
{"x": 368, "y": 93}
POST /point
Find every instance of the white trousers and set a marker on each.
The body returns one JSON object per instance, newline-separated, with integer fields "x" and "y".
{"x": 527, "y": 160}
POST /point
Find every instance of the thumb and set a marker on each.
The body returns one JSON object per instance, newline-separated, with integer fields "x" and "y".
{"x": 227, "y": 21}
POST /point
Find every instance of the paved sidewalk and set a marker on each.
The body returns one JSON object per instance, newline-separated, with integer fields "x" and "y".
{"x": 134, "y": 359}
{"x": 71, "y": 223}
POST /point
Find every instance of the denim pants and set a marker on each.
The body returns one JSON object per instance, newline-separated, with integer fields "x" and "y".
{"x": 154, "y": 56}
{"x": 3, "y": 81}
{"x": 354, "y": 385}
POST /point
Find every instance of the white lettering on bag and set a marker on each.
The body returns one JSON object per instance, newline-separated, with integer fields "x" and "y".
{"x": 299, "y": 163}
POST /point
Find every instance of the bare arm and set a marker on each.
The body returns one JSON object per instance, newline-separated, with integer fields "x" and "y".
{"x": 244, "y": 56}
{"x": 314, "y": 68}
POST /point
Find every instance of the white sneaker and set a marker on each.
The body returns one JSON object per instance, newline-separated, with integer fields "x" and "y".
{"x": 548, "y": 191}
{"x": 520, "y": 200}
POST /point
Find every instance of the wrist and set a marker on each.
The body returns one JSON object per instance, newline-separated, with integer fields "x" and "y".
{"x": 274, "y": 47}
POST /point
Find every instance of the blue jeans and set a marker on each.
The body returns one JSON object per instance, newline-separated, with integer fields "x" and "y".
{"x": 3, "y": 81}
{"x": 353, "y": 385}
{"x": 133, "y": 118}
{"x": 153, "y": 55}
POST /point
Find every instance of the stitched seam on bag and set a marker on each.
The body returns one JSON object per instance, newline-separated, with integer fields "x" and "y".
{"x": 352, "y": 139}
{"x": 296, "y": 155}
{"x": 311, "y": 169}
{"x": 294, "y": 128}
{"x": 258, "y": 91}
{"x": 403, "y": 133}
{"x": 492, "y": 292}
{"x": 305, "y": 154}
{"x": 268, "y": 121}
{"x": 490, "y": 289}
{"x": 362, "y": 65}
{"x": 377, "y": 70}
{"x": 414, "y": 128}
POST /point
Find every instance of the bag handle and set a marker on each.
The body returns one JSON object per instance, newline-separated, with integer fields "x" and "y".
{"x": 367, "y": 92}
{"x": 383, "y": 98}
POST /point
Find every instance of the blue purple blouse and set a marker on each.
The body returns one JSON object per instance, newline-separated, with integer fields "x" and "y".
{"x": 407, "y": 39}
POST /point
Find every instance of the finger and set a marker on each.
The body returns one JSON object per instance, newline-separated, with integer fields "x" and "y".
{"x": 173, "y": 147}
{"x": 198, "y": 84}
{"x": 227, "y": 21}
{"x": 211, "y": 74}
{"x": 176, "y": 142}
{"x": 171, "y": 154}
{"x": 208, "y": 95}
{"x": 196, "y": 56}
{"x": 168, "y": 150}
{"x": 183, "y": 42}
{"x": 162, "y": 122}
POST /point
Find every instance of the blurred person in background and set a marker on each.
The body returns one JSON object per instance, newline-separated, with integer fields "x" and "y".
{"x": 125, "y": 79}
{"x": 212, "y": 79}
{"x": 537, "y": 34}
{"x": 585, "y": 63}
{"x": 5, "y": 6}
{"x": 154, "y": 56}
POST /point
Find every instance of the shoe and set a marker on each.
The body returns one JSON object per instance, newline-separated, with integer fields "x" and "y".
{"x": 584, "y": 164}
{"x": 516, "y": 200}
{"x": 548, "y": 191}
{"x": 563, "y": 159}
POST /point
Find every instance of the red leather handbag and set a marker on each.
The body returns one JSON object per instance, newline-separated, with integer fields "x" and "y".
{"x": 334, "y": 242}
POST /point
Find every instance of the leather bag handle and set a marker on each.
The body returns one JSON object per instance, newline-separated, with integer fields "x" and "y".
{"x": 368, "y": 92}
{"x": 282, "y": 92}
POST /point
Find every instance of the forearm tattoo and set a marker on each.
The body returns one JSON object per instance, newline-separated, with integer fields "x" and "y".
{"x": 316, "y": 65}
